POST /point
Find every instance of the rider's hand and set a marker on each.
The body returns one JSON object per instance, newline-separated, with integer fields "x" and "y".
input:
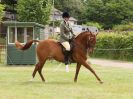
{"x": 74, "y": 36}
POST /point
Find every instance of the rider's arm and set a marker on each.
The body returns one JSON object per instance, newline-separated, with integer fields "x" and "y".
{"x": 63, "y": 32}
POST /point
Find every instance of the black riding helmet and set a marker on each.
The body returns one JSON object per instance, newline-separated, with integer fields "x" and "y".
{"x": 65, "y": 15}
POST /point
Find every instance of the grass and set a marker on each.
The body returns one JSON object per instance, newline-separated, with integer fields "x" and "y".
{"x": 15, "y": 84}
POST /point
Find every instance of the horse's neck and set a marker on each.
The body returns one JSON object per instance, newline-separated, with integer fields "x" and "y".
{"x": 81, "y": 39}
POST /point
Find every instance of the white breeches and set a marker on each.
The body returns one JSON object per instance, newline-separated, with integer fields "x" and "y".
{"x": 66, "y": 45}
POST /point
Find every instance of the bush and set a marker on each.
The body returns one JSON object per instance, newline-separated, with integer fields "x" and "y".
{"x": 1, "y": 11}
{"x": 56, "y": 23}
{"x": 95, "y": 24}
{"x": 123, "y": 27}
{"x": 114, "y": 46}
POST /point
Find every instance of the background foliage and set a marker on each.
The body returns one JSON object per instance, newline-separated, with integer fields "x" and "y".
{"x": 117, "y": 43}
{"x": 109, "y": 12}
{"x": 106, "y": 12}
{"x": 95, "y": 24}
{"x": 76, "y": 8}
{"x": 34, "y": 10}
{"x": 1, "y": 11}
{"x": 124, "y": 27}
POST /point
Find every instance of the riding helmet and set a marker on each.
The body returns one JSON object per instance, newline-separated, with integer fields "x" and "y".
{"x": 65, "y": 15}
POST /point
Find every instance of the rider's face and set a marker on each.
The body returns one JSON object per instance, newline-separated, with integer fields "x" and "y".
{"x": 66, "y": 19}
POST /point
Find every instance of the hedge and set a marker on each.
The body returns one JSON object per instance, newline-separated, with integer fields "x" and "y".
{"x": 118, "y": 46}
{"x": 124, "y": 27}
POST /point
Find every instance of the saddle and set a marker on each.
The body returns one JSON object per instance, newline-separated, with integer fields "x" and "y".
{"x": 71, "y": 50}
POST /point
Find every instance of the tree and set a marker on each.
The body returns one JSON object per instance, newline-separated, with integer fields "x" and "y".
{"x": 74, "y": 7}
{"x": 34, "y": 10}
{"x": 1, "y": 11}
{"x": 95, "y": 24}
{"x": 9, "y": 2}
{"x": 109, "y": 12}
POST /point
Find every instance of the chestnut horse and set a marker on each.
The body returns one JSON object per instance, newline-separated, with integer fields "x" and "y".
{"x": 52, "y": 49}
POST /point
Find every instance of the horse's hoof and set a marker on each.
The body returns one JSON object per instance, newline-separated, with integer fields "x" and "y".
{"x": 43, "y": 80}
{"x": 101, "y": 82}
{"x": 75, "y": 81}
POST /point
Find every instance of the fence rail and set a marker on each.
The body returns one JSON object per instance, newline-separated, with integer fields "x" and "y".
{"x": 3, "y": 54}
{"x": 111, "y": 49}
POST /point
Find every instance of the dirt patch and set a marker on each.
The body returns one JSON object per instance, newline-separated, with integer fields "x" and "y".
{"x": 112, "y": 63}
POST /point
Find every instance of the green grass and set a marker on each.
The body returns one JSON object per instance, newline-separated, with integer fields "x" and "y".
{"x": 15, "y": 84}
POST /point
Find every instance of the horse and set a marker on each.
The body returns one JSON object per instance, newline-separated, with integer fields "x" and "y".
{"x": 51, "y": 48}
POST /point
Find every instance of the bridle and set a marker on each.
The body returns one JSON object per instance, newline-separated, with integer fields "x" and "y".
{"x": 90, "y": 43}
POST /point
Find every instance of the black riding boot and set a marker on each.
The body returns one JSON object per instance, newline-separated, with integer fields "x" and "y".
{"x": 66, "y": 53}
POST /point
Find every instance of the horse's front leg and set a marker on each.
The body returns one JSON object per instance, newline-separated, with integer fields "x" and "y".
{"x": 84, "y": 63}
{"x": 77, "y": 71}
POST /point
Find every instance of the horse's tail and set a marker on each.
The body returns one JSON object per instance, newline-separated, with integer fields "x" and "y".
{"x": 26, "y": 46}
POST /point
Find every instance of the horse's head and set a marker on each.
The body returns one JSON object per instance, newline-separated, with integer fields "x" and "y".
{"x": 88, "y": 40}
{"x": 91, "y": 41}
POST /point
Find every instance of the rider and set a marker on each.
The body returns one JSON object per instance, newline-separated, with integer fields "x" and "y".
{"x": 66, "y": 35}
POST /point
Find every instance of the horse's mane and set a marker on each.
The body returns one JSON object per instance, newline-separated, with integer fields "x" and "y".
{"x": 83, "y": 34}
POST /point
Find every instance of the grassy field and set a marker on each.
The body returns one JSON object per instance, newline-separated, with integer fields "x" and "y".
{"x": 15, "y": 84}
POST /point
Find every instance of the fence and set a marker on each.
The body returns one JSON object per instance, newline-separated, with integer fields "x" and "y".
{"x": 2, "y": 54}
{"x": 125, "y": 54}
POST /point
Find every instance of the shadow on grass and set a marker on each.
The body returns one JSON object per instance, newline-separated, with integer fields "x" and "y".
{"x": 47, "y": 83}
{"x": 59, "y": 83}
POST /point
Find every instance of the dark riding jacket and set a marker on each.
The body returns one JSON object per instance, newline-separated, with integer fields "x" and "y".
{"x": 66, "y": 32}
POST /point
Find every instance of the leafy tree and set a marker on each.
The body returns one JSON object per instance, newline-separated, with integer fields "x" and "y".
{"x": 56, "y": 23}
{"x": 34, "y": 10}
{"x": 1, "y": 11}
{"x": 9, "y": 2}
{"x": 109, "y": 12}
{"x": 74, "y": 7}
{"x": 95, "y": 24}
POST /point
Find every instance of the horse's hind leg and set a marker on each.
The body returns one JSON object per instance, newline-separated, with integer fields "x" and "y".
{"x": 40, "y": 72}
{"x": 35, "y": 70}
{"x": 38, "y": 68}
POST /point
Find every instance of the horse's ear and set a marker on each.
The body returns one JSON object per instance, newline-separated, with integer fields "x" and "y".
{"x": 96, "y": 33}
{"x": 88, "y": 30}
